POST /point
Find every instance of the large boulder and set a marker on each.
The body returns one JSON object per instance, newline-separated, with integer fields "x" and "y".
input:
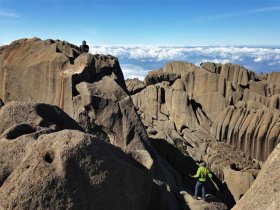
{"x": 47, "y": 71}
{"x": 38, "y": 116}
{"x": 178, "y": 104}
{"x": 22, "y": 123}
{"x": 265, "y": 191}
{"x": 109, "y": 106}
{"x": 106, "y": 104}
{"x": 238, "y": 181}
{"x": 74, "y": 170}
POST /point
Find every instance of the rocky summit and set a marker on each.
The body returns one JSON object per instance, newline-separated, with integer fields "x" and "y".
{"x": 74, "y": 134}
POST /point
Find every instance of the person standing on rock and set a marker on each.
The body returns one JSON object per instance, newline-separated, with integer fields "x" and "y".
{"x": 202, "y": 174}
{"x": 84, "y": 48}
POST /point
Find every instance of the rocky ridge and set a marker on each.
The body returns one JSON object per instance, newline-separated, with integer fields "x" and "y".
{"x": 223, "y": 114}
{"x": 227, "y": 96}
{"x": 138, "y": 127}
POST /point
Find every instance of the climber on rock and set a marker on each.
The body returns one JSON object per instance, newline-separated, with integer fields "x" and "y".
{"x": 202, "y": 175}
{"x": 84, "y": 48}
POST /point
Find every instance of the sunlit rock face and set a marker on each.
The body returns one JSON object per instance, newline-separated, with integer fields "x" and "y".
{"x": 265, "y": 191}
{"x": 35, "y": 70}
{"x": 241, "y": 107}
{"x": 77, "y": 109}
{"x": 223, "y": 114}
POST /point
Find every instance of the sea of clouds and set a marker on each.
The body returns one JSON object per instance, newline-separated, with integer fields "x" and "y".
{"x": 136, "y": 61}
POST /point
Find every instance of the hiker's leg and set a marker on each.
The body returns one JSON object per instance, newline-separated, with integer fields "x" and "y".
{"x": 203, "y": 191}
{"x": 197, "y": 186}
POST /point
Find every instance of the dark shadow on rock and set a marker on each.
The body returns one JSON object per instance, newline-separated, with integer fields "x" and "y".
{"x": 157, "y": 201}
{"x": 1, "y": 103}
{"x": 107, "y": 71}
{"x": 19, "y": 130}
{"x": 195, "y": 105}
{"x": 225, "y": 195}
{"x": 186, "y": 166}
{"x": 54, "y": 115}
{"x": 90, "y": 127}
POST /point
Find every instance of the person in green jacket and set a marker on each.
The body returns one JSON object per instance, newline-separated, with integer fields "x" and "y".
{"x": 202, "y": 174}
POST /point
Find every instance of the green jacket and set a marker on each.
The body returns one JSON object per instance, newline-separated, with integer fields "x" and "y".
{"x": 202, "y": 173}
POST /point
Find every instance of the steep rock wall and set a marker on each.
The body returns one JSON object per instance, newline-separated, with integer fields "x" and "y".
{"x": 265, "y": 191}
{"x": 215, "y": 93}
{"x": 33, "y": 70}
{"x": 255, "y": 132}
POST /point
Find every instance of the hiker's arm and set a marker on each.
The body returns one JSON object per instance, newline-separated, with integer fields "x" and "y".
{"x": 197, "y": 173}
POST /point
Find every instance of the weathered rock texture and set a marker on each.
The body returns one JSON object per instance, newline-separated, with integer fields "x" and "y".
{"x": 90, "y": 88}
{"x": 47, "y": 71}
{"x": 224, "y": 115}
{"x": 256, "y": 132}
{"x": 192, "y": 107}
{"x": 265, "y": 191}
{"x": 109, "y": 106}
{"x": 134, "y": 85}
{"x": 73, "y": 170}
{"x": 22, "y": 123}
{"x": 243, "y": 109}
{"x": 211, "y": 204}
{"x": 212, "y": 86}
{"x": 106, "y": 104}
{"x": 224, "y": 160}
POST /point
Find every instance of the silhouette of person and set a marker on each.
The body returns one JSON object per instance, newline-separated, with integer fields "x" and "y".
{"x": 84, "y": 48}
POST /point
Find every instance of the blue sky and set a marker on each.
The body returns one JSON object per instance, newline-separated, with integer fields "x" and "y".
{"x": 145, "y": 34}
{"x": 153, "y": 22}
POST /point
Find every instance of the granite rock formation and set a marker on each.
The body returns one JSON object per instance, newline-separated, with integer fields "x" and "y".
{"x": 70, "y": 170}
{"x": 134, "y": 85}
{"x": 256, "y": 132}
{"x": 223, "y": 114}
{"x": 105, "y": 104}
{"x": 265, "y": 191}
{"x": 22, "y": 123}
{"x": 52, "y": 69}
{"x": 91, "y": 89}
{"x": 218, "y": 94}
{"x": 74, "y": 70}
{"x": 151, "y": 131}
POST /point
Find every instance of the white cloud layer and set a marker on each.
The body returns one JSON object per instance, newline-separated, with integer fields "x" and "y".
{"x": 131, "y": 71}
{"x": 160, "y": 53}
{"x": 136, "y": 61}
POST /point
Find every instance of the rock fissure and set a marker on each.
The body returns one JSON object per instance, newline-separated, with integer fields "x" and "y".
{"x": 79, "y": 131}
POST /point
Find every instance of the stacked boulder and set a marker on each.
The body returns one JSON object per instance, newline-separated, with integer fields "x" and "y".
{"x": 48, "y": 161}
{"x": 80, "y": 136}
{"x": 95, "y": 154}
